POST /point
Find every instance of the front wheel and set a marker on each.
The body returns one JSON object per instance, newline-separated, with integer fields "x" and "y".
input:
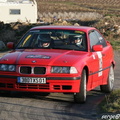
{"x": 110, "y": 83}
{"x": 80, "y": 97}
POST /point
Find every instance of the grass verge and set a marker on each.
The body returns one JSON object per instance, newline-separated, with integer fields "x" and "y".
{"x": 111, "y": 103}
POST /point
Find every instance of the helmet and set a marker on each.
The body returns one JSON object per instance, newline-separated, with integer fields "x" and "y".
{"x": 78, "y": 40}
{"x": 44, "y": 37}
{"x": 44, "y": 40}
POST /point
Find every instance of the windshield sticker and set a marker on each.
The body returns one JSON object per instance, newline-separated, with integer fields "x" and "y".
{"x": 38, "y": 56}
{"x": 79, "y": 32}
{"x": 35, "y": 31}
{"x": 26, "y": 40}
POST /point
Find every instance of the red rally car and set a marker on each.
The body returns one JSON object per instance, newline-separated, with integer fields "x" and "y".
{"x": 63, "y": 59}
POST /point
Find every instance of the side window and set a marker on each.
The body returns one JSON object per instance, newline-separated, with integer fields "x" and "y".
{"x": 93, "y": 39}
{"x": 96, "y": 39}
{"x": 101, "y": 39}
{"x": 14, "y": 11}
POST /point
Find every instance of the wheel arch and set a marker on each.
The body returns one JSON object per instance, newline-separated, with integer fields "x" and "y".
{"x": 113, "y": 64}
{"x": 87, "y": 72}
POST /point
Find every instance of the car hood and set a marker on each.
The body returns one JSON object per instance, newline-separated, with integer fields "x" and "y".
{"x": 43, "y": 57}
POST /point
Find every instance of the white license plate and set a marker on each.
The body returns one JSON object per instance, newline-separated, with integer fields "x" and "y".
{"x": 31, "y": 80}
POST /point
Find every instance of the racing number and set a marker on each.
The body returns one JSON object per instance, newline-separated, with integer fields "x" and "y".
{"x": 100, "y": 73}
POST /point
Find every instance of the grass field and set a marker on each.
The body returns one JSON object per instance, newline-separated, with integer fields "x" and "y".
{"x": 105, "y": 7}
{"x": 111, "y": 103}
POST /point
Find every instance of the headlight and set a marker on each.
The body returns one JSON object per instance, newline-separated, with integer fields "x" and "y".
{"x": 5, "y": 67}
{"x": 73, "y": 70}
{"x": 67, "y": 70}
{"x": 11, "y": 68}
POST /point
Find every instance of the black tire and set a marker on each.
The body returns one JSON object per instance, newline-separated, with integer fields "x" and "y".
{"x": 110, "y": 83}
{"x": 81, "y": 96}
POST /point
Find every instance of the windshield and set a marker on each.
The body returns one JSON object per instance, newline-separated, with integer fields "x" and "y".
{"x": 54, "y": 39}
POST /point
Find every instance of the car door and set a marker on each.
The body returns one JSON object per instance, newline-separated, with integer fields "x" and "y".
{"x": 106, "y": 55}
{"x": 99, "y": 58}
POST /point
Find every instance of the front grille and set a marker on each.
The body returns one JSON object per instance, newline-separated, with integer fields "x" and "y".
{"x": 32, "y": 70}
{"x": 56, "y": 87}
{"x": 6, "y": 85}
{"x": 66, "y": 87}
{"x": 25, "y": 86}
{"x": 39, "y": 70}
{"x": 33, "y": 86}
{"x": 25, "y": 70}
{"x": 62, "y": 87}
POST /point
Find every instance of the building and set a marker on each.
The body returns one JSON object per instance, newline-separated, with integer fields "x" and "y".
{"x": 18, "y": 10}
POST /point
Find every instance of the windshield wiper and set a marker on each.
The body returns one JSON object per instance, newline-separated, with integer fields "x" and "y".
{"x": 61, "y": 48}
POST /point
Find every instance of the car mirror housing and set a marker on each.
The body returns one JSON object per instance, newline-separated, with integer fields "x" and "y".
{"x": 97, "y": 48}
{"x": 10, "y": 45}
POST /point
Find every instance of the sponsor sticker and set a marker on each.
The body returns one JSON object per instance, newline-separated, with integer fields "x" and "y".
{"x": 100, "y": 63}
{"x": 38, "y": 56}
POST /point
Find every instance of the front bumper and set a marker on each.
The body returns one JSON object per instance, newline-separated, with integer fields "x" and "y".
{"x": 53, "y": 84}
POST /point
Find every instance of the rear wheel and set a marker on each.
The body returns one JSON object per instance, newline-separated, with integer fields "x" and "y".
{"x": 81, "y": 96}
{"x": 110, "y": 83}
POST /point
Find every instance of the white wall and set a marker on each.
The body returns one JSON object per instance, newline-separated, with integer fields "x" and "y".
{"x": 28, "y": 12}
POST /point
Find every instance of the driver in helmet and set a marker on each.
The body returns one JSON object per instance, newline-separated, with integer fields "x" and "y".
{"x": 78, "y": 40}
{"x": 44, "y": 41}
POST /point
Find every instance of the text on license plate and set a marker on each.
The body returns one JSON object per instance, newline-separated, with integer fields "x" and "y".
{"x": 31, "y": 80}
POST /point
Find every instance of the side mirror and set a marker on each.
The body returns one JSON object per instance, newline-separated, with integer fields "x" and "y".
{"x": 97, "y": 48}
{"x": 108, "y": 42}
{"x": 10, "y": 45}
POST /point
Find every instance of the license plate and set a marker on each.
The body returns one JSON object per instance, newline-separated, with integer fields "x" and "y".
{"x": 31, "y": 80}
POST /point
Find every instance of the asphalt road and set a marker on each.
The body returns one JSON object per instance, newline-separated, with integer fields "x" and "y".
{"x": 57, "y": 106}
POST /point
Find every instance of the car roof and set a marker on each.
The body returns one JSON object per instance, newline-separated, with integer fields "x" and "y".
{"x": 81, "y": 28}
